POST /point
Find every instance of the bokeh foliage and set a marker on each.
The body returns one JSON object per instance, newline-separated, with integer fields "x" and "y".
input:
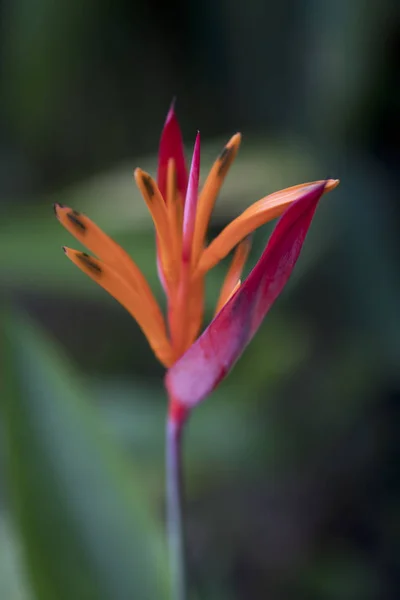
{"x": 292, "y": 482}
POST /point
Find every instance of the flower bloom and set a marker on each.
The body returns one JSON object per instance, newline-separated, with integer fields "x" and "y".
{"x": 181, "y": 215}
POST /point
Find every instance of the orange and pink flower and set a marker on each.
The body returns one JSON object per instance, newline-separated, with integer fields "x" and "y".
{"x": 181, "y": 215}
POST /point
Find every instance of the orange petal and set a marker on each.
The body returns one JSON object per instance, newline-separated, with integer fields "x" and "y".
{"x": 175, "y": 211}
{"x": 180, "y": 321}
{"x": 98, "y": 242}
{"x": 196, "y": 310}
{"x": 210, "y": 191}
{"x": 232, "y": 279}
{"x": 111, "y": 253}
{"x": 158, "y": 210}
{"x": 148, "y": 316}
{"x": 257, "y": 214}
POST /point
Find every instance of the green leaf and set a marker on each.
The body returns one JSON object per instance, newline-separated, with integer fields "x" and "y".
{"x": 87, "y": 530}
{"x": 12, "y": 578}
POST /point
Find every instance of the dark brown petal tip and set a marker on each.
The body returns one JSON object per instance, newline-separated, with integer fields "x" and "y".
{"x": 225, "y": 159}
{"x": 73, "y": 217}
{"x": 89, "y": 262}
{"x": 56, "y": 206}
{"x": 148, "y": 184}
{"x": 64, "y": 249}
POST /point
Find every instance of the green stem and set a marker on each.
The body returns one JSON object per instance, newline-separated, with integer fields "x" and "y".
{"x": 175, "y": 524}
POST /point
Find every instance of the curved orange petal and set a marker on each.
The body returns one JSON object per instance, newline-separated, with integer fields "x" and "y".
{"x": 232, "y": 279}
{"x": 210, "y": 191}
{"x": 175, "y": 211}
{"x": 180, "y": 323}
{"x": 257, "y": 214}
{"x": 98, "y": 242}
{"x": 158, "y": 210}
{"x": 148, "y": 316}
{"x": 111, "y": 253}
{"x": 196, "y": 310}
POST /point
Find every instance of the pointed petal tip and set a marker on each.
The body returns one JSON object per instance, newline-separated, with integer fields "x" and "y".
{"x": 57, "y": 206}
{"x": 196, "y": 148}
{"x": 190, "y": 206}
{"x": 195, "y": 164}
{"x": 171, "y": 111}
{"x": 65, "y": 249}
{"x": 197, "y": 144}
{"x": 331, "y": 184}
{"x": 171, "y": 146}
{"x": 140, "y": 175}
{"x": 234, "y": 141}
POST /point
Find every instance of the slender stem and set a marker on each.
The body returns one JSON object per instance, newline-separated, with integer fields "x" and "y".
{"x": 175, "y": 524}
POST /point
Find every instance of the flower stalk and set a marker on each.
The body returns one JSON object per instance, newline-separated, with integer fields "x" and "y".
{"x": 175, "y": 517}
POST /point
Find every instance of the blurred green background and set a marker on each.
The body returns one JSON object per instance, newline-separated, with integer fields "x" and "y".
{"x": 292, "y": 465}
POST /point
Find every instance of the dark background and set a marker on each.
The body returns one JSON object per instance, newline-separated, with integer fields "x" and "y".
{"x": 293, "y": 464}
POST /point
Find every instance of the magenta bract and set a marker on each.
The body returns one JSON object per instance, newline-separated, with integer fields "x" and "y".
{"x": 213, "y": 354}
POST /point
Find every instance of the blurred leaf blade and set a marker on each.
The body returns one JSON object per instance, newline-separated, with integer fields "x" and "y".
{"x": 13, "y": 584}
{"x": 86, "y": 529}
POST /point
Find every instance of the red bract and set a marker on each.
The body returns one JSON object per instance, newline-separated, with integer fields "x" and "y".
{"x": 196, "y": 374}
{"x": 171, "y": 152}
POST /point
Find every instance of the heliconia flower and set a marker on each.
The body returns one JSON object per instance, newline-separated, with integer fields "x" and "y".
{"x": 181, "y": 216}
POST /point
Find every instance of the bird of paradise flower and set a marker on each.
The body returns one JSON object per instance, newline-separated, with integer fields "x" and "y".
{"x": 181, "y": 215}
